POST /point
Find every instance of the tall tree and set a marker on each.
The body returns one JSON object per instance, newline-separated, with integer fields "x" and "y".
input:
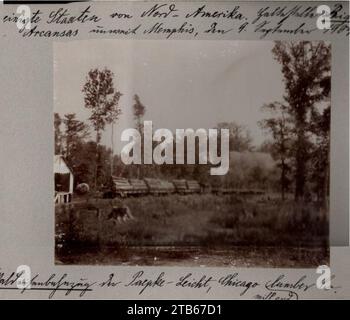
{"x": 75, "y": 132}
{"x": 305, "y": 65}
{"x": 102, "y": 99}
{"x": 279, "y": 126}
{"x": 58, "y": 133}
{"x": 320, "y": 127}
{"x": 139, "y": 111}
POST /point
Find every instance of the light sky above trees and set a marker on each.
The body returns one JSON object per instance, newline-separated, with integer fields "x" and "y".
{"x": 183, "y": 84}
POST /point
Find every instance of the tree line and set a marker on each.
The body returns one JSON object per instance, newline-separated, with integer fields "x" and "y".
{"x": 298, "y": 129}
{"x": 300, "y": 124}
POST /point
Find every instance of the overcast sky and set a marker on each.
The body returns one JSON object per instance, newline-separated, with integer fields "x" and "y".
{"x": 183, "y": 84}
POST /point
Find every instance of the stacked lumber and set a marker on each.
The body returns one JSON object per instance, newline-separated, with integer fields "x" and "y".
{"x": 122, "y": 186}
{"x": 193, "y": 186}
{"x": 180, "y": 186}
{"x": 139, "y": 186}
{"x": 167, "y": 186}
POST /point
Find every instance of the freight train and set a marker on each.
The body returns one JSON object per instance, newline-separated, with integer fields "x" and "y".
{"x": 123, "y": 187}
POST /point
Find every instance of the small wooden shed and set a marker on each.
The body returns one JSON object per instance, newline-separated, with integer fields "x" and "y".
{"x": 63, "y": 180}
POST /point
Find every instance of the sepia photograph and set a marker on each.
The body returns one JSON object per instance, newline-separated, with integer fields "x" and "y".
{"x": 192, "y": 153}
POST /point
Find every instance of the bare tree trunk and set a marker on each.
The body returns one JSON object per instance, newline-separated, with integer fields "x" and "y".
{"x": 97, "y": 159}
{"x": 326, "y": 184}
{"x": 138, "y": 168}
{"x": 301, "y": 159}
{"x": 283, "y": 180}
{"x": 112, "y": 153}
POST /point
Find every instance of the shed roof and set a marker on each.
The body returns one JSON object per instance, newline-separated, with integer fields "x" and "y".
{"x": 60, "y": 165}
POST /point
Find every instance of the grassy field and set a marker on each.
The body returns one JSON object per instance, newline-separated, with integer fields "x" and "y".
{"x": 193, "y": 229}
